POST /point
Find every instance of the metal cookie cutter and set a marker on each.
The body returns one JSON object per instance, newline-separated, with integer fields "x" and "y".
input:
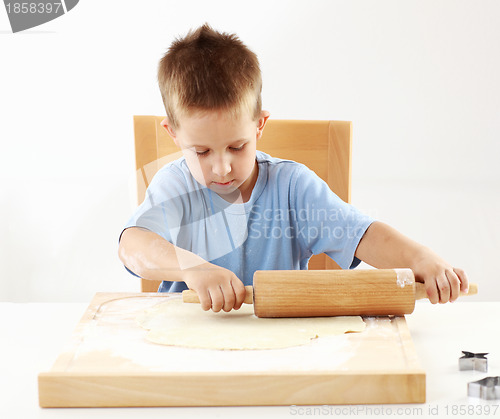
{"x": 488, "y": 388}
{"x": 472, "y": 361}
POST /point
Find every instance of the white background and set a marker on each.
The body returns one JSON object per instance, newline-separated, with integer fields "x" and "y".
{"x": 419, "y": 80}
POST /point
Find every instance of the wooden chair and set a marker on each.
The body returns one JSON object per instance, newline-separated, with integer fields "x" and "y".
{"x": 323, "y": 146}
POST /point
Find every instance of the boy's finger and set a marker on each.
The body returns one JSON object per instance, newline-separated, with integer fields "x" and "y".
{"x": 239, "y": 292}
{"x": 464, "y": 281}
{"x": 205, "y": 300}
{"x": 454, "y": 285}
{"x": 444, "y": 288}
{"x": 217, "y": 298}
{"x": 229, "y": 297}
{"x": 432, "y": 291}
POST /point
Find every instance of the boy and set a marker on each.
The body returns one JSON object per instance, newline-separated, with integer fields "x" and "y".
{"x": 225, "y": 210}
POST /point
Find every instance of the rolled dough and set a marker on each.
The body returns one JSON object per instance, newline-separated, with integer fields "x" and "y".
{"x": 181, "y": 324}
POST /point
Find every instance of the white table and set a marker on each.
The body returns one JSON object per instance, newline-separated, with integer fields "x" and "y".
{"x": 32, "y": 335}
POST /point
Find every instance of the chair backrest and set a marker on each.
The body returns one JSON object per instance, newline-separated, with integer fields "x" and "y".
{"x": 323, "y": 146}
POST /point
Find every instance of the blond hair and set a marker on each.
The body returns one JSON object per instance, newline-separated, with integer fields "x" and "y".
{"x": 208, "y": 70}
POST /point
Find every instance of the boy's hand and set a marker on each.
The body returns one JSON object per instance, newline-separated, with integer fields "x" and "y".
{"x": 442, "y": 281}
{"x": 217, "y": 288}
{"x": 384, "y": 247}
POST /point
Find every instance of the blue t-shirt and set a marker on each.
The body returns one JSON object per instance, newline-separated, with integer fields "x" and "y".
{"x": 291, "y": 215}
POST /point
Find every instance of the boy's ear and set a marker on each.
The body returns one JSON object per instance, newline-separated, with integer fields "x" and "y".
{"x": 166, "y": 124}
{"x": 264, "y": 116}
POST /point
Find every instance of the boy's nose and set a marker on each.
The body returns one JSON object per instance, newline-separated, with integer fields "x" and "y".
{"x": 221, "y": 167}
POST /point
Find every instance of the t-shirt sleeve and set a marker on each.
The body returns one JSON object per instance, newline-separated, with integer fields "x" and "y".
{"x": 325, "y": 223}
{"x": 162, "y": 207}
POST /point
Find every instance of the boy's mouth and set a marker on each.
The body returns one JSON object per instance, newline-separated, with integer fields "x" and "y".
{"x": 225, "y": 184}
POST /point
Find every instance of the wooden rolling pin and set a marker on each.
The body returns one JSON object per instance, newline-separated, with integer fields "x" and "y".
{"x": 363, "y": 292}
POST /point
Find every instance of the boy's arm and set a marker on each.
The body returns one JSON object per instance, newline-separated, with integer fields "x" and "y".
{"x": 152, "y": 257}
{"x": 384, "y": 247}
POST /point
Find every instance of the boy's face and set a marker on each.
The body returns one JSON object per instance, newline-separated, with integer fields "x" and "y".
{"x": 220, "y": 150}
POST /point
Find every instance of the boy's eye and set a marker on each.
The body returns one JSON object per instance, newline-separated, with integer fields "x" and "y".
{"x": 234, "y": 149}
{"x": 238, "y": 148}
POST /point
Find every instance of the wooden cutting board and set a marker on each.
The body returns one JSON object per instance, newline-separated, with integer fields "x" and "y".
{"x": 109, "y": 363}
